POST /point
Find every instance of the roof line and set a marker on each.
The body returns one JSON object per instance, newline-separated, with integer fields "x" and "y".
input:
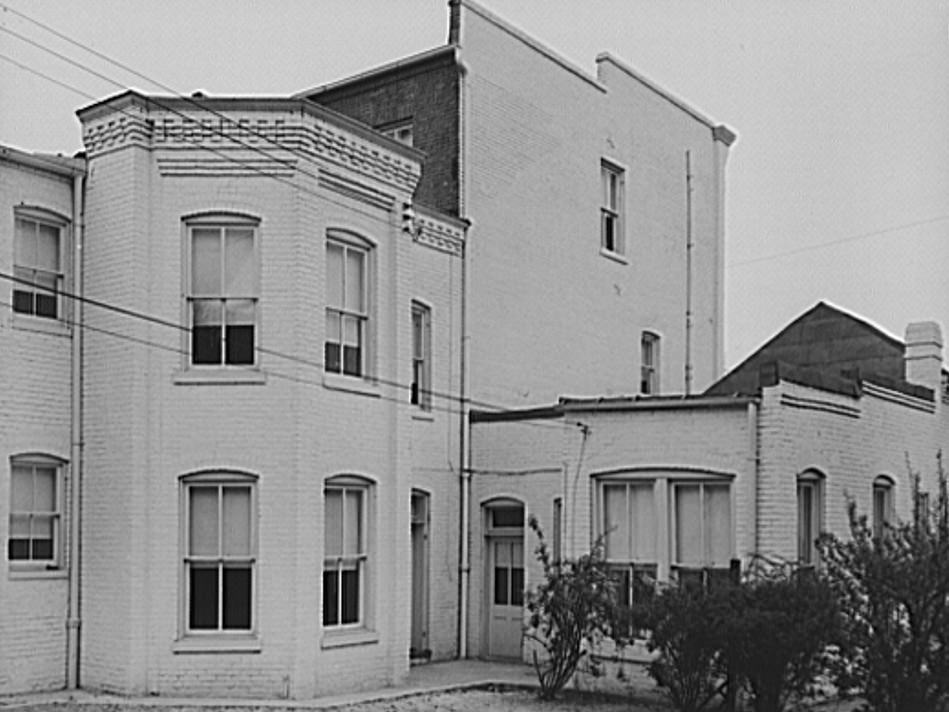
{"x": 63, "y": 165}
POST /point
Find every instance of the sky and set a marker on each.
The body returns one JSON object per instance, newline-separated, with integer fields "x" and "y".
{"x": 837, "y": 188}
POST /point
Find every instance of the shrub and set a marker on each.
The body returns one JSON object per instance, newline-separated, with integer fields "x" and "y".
{"x": 571, "y": 610}
{"x": 894, "y": 593}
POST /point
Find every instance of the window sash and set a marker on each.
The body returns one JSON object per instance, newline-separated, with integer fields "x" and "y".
{"x": 345, "y": 555}
{"x": 35, "y": 513}
{"x": 223, "y": 294}
{"x": 702, "y": 530}
{"x": 612, "y": 194}
{"x": 421, "y": 357}
{"x": 37, "y": 267}
{"x": 347, "y": 317}
{"x": 808, "y": 520}
{"x": 219, "y": 539}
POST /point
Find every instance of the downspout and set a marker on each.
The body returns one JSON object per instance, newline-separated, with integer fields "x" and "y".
{"x": 73, "y": 617}
{"x": 753, "y": 472}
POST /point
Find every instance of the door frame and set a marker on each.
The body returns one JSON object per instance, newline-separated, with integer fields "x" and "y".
{"x": 491, "y": 532}
{"x": 425, "y": 522}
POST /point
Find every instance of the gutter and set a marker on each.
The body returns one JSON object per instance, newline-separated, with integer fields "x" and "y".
{"x": 73, "y": 615}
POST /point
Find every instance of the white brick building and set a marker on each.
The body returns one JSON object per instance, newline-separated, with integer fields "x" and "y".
{"x": 287, "y": 315}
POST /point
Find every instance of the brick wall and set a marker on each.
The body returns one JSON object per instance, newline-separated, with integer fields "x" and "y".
{"x": 35, "y": 378}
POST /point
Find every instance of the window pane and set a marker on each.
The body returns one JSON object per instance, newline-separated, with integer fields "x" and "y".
{"x": 688, "y": 525}
{"x": 354, "y": 280}
{"x": 718, "y": 525}
{"x": 418, "y": 334}
{"x": 352, "y": 361}
{"x": 616, "y": 523}
{"x": 331, "y": 360}
{"x": 352, "y": 516}
{"x": 333, "y": 524}
{"x": 22, "y": 301}
{"x": 351, "y": 330}
{"x": 47, "y": 248}
{"x": 239, "y": 264}
{"x": 21, "y": 489}
{"x": 330, "y": 600}
{"x": 206, "y": 332}
{"x": 237, "y": 524}
{"x": 25, "y": 248}
{"x": 237, "y": 597}
{"x": 517, "y": 586}
{"x": 334, "y": 275}
{"x": 205, "y": 261}
{"x": 643, "y": 524}
{"x": 240, "y": 345}
{"x": 20, "y": 526}
{"x": 18, "y": 549}
{"x": 507, "y": 516}
{"x": 202, "y": 607}
{"x": 206, "y": 312}
{"x": 44, "y": 489}
{"x": 203, "y": 525}
{"x": 805, "y": 509}
{"x": 500, "y": 585}
{"x": 350, "y": 596}
{"x": 45, "y": 304}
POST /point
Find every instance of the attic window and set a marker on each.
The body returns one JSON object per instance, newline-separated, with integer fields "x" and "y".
{"x": 401, "y": 131}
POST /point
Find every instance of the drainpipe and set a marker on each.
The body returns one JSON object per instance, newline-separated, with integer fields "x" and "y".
{"x": 73, "y": 617}
{"x": 753, "y": 471}
{"x": 464, "y": 455}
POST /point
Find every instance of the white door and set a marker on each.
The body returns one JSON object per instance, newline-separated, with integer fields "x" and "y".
{"x": 505, "y": 596}
{"x": 419, "y": 639}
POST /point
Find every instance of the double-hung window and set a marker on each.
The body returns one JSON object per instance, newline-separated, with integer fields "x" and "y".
{"x": 612, "y": 184}
{"x": 421, "y": 394}
{"x": 220, "y": 553}
{"x": 345, "y": 552}
{"x": 347, "y": 310}
{"x": 224, "y": 293}
{"x": 649, "y": 363}
{"x": 702, "y": 525}
{"x": 809, "y": 507}
{"x": 38, "y": 247}
{"x": 882, "y": 504}
{"x": 35, "y": 511}
{"x": 630, "y": 524}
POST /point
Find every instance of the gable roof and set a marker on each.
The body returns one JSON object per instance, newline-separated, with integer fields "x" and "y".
{"x": 825, "y": 348}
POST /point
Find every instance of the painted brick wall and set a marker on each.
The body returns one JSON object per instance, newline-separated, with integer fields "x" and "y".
{"x": 536, "y": 133}
{"x": 35, "y": 380}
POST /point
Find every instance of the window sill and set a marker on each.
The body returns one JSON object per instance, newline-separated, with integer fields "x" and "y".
{"x": 24, "y": 572}
{"x": 41, "y": 325}
{"x": 351, "y": 384}
{"x": 220, "y": 376}
{"x": 423, "y": 415}
{"x": 615, "y": 256}
{"x": 348, "y": 637}
{"x": 217, "y": 644}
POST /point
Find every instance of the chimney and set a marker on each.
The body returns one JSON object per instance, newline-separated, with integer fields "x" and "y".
{"x": 923, "y": 359}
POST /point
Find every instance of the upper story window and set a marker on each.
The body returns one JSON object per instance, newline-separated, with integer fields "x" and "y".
{"x": 35, "y": 511}
{"x": 809, "y": 520}
{"x": 421, "y": 356}
{"x": 649, "y": 363}
{"x": 223, "y": 291}
{"x": 403, "y": 132}
{"x": 38, "y": 260}
{"x": 613, "y": 186}
{"x": 220, "y": 552}
{"x": 347, "y": 306}
{"x": 882, "y": 504}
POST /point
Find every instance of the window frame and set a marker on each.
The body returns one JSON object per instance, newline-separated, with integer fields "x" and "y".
{"x": 364, "y": 559}
{"x": 812, "y": 483}
{"x": 421, "y": 387}
{"x": 402, "y": 131}
{"x": 649, "y": 372}
{"x": 706, "y": 562}
{"x": 220, "y": 479}
{"x": 62, "y": 277}
{"x": 221, "y": 221}
{"x": 56, "y": 561}
{"x": 612, "y": 208}
{"x": 350, "y": 241}
{"x": 882, "y": 489}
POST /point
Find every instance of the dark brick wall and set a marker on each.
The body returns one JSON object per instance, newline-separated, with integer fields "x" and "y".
{"x": 426, "y": 93}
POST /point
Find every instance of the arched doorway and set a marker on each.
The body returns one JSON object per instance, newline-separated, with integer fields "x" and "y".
{"x": 504, "y": 577}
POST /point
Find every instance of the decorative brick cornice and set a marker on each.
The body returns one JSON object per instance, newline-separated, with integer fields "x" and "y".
{"x": 439, "y": 234}
{"x": 270, "y": 139}
{"x": 819, "y": 404}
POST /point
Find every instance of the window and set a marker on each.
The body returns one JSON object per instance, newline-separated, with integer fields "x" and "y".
{"x": 35, "y": 511}
{"x": 223, "y": 292}
{"x": 401, "y": 132}
{"x": 630, "y": 525}
{"x": 611, "y": 210}
{"x": 219, "y": 553}
{"x": 882, "y": 504}
{"x": 345, "y": 556}
{"x": 557, "y": 543}
{"x": 347, "y": 313}
{"x": 649, "y": 364}
{"x": 37, "y": 266}
{"x": 702, "y": 525}
{"x": 421, "y": 356}
{"x": 808, "y": 516}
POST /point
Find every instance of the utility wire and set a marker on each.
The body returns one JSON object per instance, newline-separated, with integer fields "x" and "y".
{"x": 311, "y": 363}
{"x": 841, "y": 241}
